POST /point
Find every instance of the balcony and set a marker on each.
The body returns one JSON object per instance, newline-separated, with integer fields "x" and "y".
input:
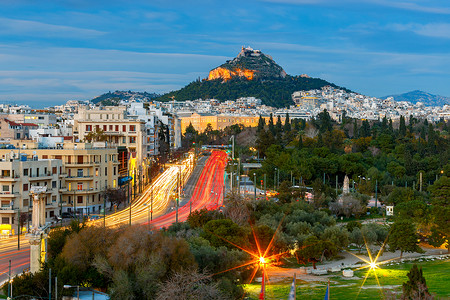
{"x": 83, "y": 191}
{"x": 9, "y": 178}
{"x": 62, "y": 175}
{"x": 7, "y": 210}
{"x": 81, "y": 164}
{"x": 79, "y": 178}
{"x": 8, "y": 194}
{"x": 46, "y": 176}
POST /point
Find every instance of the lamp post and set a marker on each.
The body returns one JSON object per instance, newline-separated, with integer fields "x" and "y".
{"x": 149, "y": 209}
{"x": 274, "y": 179}
{"x": 66, "y": 286}
{"x": 254, "y": 194}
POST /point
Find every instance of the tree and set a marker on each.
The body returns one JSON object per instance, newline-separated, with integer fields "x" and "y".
{"x": 313, "y": 250}
{"x": 98, "y": 135}
{"x": 224, "y": 233}
{"x": 416, "y": 286}
{"x": 271, "y": 125}
{"x": 199, "y": 218}
{"x": 402, "y": 127}
{"x": 189, "y": 285}
{"x": 261, "y": 124}
{"x": 287, "y": 124}
{"x": 403, "y": 236}
{"x": 440, "y": 230}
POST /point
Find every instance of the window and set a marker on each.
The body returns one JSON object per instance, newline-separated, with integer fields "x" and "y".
{"x": 132, "y": 139}
{"x": 80, "y": 199}
{"x": 54, "y": 170}
{"x": 25, "y": 187}
{"x": 80, "y": 173}
{"x": 88, "y": 127}
{"x": 6, "y": 188}
{"x": 124, "y": 128}
{"x": 45, "y": 171}
{"x": 106, "y": 171}
{"x": 44, "y": 156}
{"x": 96, "y": 171}
{"x": 69, "y": 186}
{"x": 132, "y": 127}
{"x": 53, "y": 184}
{"x": 25, "y": 202}
{"x": 79, "y": 186}
{"x": 114, "y": 171}
{"x": 52, "y": 214}
{"x": 114, "y": 183}
{"x": 124, "y": 140}
{"x": 5, "y": 220}
{"x": 105, "y": 127}
{"x": 37, "y": 172}
{"x": 117, "y": 127}
{"x": 53, "y": 198}
{"x": 25, "y": 172}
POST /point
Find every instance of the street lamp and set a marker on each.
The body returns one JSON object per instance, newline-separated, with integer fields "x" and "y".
{"x": 254, "y": 194}
{"x": 66, "y": 286}
{"x": 149, "y": 211}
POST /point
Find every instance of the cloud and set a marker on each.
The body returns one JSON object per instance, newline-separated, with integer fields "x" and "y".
{"x": 34, "y": 28}
{"x": 404, "y": 5}
{"x": 436, "y": 30}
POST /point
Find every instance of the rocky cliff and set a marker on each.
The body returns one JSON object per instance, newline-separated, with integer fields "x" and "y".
{"x": 248, "y": 64}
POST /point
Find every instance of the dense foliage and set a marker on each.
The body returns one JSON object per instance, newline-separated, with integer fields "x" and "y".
{"x": 274, "y": 92}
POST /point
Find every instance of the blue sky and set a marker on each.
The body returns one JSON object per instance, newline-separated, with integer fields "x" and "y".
{"x": 54, "y": 51}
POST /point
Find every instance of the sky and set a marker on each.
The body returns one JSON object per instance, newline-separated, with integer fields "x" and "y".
{"x": 54, "y": 51}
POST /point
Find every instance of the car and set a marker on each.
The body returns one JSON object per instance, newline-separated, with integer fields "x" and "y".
{"x": 67, "y": 215}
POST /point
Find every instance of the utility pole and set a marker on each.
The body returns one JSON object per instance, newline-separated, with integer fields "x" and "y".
{"x": 265, "y": 193}
{"x": 104, "y": 210}
{"x": 151, "y": 202}
{"x": 19, "y": 229}
{"x": 376, "y": 193}
{"x": 336, "y": 185}
{"x": 254, "y": 195}
{"x": 9, "y": 283}
{"x": 49, "y": 284}
{"x": 275, "y": 179}
{"x": 178, "y": 193}
{"x": 420, "y": 178}
{"x": 130, "y": 200}
{"x": 56, "y": 288}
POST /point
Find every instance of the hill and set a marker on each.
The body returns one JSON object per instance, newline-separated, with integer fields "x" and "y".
{"x": 251, "y": 74}
{"x": 419, "y": 96}
{"x": 114, "y": 98}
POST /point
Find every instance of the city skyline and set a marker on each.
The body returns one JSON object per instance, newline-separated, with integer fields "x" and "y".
{"x": 51, "y": 53}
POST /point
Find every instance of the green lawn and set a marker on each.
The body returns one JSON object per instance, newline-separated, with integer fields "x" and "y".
{"x": 437, "y": 275}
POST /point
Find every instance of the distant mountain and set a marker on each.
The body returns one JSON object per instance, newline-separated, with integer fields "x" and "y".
{"x": 251, "y": 74}
{"x": 419, "y": 96}
{"x": 114, "y": 98}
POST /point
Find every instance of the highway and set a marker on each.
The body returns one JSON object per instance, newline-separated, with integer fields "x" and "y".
{"x": 208, "y": 192}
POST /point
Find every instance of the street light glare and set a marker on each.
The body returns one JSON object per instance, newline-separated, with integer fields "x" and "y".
{"x": 373, "y": 265}
{"x": 262, "y": 260}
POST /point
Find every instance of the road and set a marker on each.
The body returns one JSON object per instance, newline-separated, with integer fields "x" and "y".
{"x": 208, "y": 192}
{"x": 20, "y": 259}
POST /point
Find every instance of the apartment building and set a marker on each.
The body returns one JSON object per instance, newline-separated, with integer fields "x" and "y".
{"x": 17, "y": 176}
{"x": 13, "y": 130}
{"x": 40, "y": 119}
{"x": 87, "y": 171}
{"x": 116, "y": 126}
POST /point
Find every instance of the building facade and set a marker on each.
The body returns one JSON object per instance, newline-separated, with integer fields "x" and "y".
{"x": 87, "y": 171}
{"x": 18, "y": 175}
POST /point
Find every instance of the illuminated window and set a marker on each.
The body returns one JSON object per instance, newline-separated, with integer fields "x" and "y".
{"x": 79, "y": 186}
{"x": 114, "y": 183}
{"x": 69, "y": 186}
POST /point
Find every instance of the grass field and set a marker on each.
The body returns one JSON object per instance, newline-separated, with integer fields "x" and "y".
{"x": 436, "y": 273}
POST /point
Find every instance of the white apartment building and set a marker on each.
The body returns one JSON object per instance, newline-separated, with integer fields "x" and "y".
{"x": 17, "y": 176}
{"x": 120, "y": 130}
